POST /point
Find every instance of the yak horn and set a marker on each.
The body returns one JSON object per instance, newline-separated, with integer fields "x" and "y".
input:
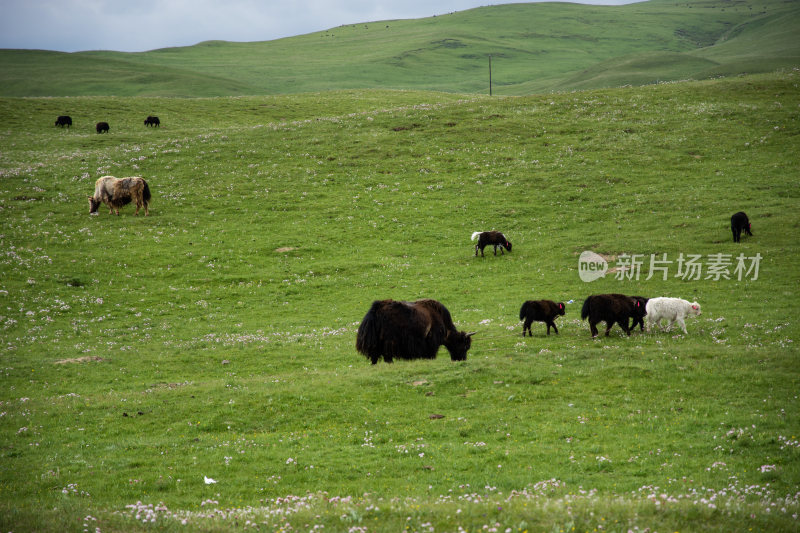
{"x": 471, "y": 334}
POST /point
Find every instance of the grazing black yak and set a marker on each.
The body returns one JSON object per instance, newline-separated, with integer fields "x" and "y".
{"x": 116, "y": 192}
{"x": 739, "y": 223}
{"x": 152, "y": 121}
{"x": 495, "y": 238}
{"x": 540, "y": 311}
{"x": 102, "y": 127}
{"x": 610, "y": 308}
{"x": 410, "y": 330}
{"x": 639, "y": 319}
{"x": 64, "y": 120}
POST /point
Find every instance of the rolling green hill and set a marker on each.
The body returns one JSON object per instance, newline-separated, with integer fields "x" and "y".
{"x": 535, "y": 48}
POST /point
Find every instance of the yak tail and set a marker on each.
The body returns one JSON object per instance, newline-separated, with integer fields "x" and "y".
{"x": 522, "y": 310}
{"x": 475, "y": 235}
{"x": 368, "y": 336}
{"x": 585, "y": 308}
{"x": 146, "y": 193}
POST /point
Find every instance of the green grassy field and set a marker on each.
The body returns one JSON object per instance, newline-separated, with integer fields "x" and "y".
{"x": 537, "y": 47}
{"x": 215, "y": 338}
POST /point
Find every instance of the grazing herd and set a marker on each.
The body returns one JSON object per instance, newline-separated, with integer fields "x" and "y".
{"x": 415, "y": 330}
{"x": 103, "y": 127}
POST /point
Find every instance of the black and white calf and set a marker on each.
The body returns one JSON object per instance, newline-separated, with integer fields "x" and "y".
{"x": 495, "y": 238}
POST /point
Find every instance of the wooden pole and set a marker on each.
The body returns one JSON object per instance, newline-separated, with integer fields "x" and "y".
{"x": 490, "y": 74}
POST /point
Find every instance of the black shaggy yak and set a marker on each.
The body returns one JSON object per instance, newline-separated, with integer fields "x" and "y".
{"x": 610, "y": 308}
{"x": 540, "y": 311}
{"x": 495, "y": 238}
{"x": 102, "y": 127}
{"x": 410, "y": 330}
{"x": 152, "y": 121}
{"x": 639, "y": 319}
{"x": 739, "y": 223}
{"x": 64, "y": 120}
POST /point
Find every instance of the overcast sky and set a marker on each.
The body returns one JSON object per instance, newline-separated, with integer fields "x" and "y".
{"x": 140, "y": 25}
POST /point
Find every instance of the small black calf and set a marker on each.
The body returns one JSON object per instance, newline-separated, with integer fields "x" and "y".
{"x": 102, "y": 127}
{"x": 540, "y": 311}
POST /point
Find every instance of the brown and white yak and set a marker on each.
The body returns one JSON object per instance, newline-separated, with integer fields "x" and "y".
{"x": 117, "y": 192}
{"x": 410, "y": 330}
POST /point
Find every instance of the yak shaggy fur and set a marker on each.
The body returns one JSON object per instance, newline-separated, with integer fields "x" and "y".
{"x": 410, "y": 330}
{"x": 117, "y": 192}
{"x": 610, "y": 308}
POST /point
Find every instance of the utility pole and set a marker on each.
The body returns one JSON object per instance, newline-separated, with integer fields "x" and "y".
{"x": 490, "y": 74}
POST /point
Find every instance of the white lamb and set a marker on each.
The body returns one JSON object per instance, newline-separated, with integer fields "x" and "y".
{"x": 672, "y": 309}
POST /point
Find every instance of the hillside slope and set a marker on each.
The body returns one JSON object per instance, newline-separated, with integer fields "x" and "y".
{"x": 535, "y": 47}
{"x": 216, "y": 336}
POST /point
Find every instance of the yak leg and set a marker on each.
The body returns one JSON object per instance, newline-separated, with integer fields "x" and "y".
{"x": 682, "y": 325}
{"x": 593, "y": 328}
{"x": 554, "y": 327}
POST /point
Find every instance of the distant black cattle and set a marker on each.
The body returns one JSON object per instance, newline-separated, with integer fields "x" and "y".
{"x": 610, "y": 308}
{"x": 540, "y": 311}
{"x": 64, "y": 120}
{"x": 410, "y": 330}
{"x": 102, "y": 127}
{"x": 739, "y": 223}
{"x": 152, "y": 121}
{"x": 495, "y": 238}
